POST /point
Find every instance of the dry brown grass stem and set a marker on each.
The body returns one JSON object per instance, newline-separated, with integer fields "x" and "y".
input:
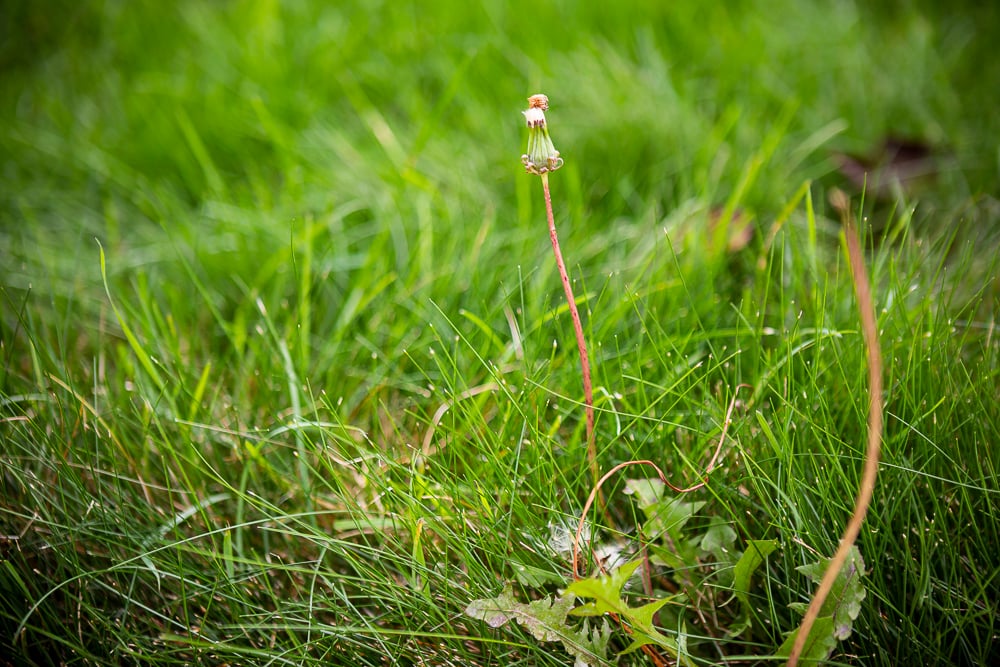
{"x": 866, "y": 308}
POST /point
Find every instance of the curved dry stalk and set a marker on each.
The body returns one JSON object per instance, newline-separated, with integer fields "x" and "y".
{"x": 866, "y": 308}
{"x": 718, "y": 447}
{"x": 426, "y": 450}
{"x": 663, "y": 478}
{"x": 593, "y": 496}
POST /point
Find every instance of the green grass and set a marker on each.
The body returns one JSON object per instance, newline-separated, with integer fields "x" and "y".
{"x": 286, "y": 376}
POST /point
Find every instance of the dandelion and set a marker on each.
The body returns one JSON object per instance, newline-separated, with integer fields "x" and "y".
{"x": 541, "y": 159}
{"x": 542, "y": 156}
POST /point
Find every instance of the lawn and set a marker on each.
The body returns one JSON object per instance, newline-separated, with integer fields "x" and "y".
{"x": 288, "y": 376}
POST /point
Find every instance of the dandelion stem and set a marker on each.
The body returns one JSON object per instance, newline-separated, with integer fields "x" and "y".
{"x": 581, "y": 343}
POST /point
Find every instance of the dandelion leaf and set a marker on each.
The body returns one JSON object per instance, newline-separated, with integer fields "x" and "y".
{"x": 545, "y": 619}
{"x": 819, "y": 645}
{"x": 718, "y": 540}
{"x": 843, "y": 604}
{"x": 668, "y": 517}
{"x": 605, "y": 590}
{"x": 589, "y": 646}
{"x": 495, "y": 611}
{"x": 647, "y": 492}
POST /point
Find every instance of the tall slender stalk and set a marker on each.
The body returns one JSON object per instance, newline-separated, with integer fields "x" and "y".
{"x": 581, "y": 342}
{"x": 542, "y": 158}
{"x": 869, "y": 330}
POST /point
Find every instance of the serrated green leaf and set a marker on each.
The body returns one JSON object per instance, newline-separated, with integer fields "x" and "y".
{"x": 642, "y": 616}
{"x": 605, "y": 590}
{"x": 589, "y": 645}
{"x": 495, "y": 611}
{"x": 545, "y": 619}
{"x": 819, "y": 645}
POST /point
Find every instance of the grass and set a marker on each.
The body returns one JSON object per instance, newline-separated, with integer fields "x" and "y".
{"x": 287, "y": 376}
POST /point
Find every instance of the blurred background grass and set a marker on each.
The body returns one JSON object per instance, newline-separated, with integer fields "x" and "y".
{"x": 217, "y": 129}
{"x": 298, "y": 201}
{"x": 267, "y": 103}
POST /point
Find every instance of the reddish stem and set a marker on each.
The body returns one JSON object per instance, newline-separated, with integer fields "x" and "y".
{"x": 581, "y": 343}
{"x": 596, "y": 491}
{"x": 866, "y": 488}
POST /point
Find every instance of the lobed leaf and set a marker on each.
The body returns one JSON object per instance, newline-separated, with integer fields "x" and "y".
{"x": 545, "y": 619}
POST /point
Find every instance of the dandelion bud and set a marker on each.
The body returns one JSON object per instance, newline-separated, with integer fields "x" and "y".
{"x": 542, "y": 156}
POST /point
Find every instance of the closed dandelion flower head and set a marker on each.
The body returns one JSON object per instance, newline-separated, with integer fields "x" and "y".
{"x": 542, "y": 155}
